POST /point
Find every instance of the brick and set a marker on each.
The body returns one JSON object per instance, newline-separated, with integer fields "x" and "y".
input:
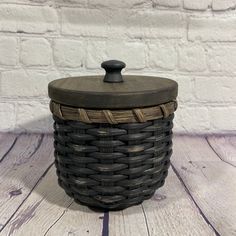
{"x": 8, "y": 51}
{"x": 185, "y": 88}
{"x": 223, "y": 119}
{"x": 120, "y": 25}
{"x": 192, "y": 58}
{"x": 93, "y": 60}
{"x": 116, "y": 49}
{"x": 29, "y": 2}
{"x": 33, "y": 116}
{"x": 222, "y": 58}
{"x": 192, "y": 120}
{"x": 197, "y": 5}
{"x": 26, "y": 83}
{"x": 7, "y": 116}
{"x": 219, "y": 5}
{"x": 215, "y": 89}
{"x": 212, "y": 29}
{"x": 27, "y": 19}
{"x": 40, "y": 1}
{"x": 76, "y": 73}
{"x": 36, "y": 52}
{"x": 69, "y": 53}
{"x": 125, "y": 51}
{"x": 115, "y": 4}
{"x": 84, "y": 22}
{"x": 163, "y": 55}
{"x": 132, "y": 23}
{"x": 149, "y": 24}
{"x": 167, "y": 3}
{"x": 81, "y": 3}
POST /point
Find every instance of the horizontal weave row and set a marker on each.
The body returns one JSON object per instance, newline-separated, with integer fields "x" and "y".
{"x": 112, "y": 166}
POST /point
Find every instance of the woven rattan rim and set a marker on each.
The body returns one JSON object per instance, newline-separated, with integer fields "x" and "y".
{"x": 113, "y": 116}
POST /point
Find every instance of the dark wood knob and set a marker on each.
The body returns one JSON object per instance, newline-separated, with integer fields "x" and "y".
{"x": 113, "y": 71}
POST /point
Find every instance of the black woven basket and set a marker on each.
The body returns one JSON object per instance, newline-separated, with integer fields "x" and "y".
{"x": 112, "y": 164}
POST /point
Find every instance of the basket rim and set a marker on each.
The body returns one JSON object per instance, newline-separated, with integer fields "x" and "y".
{"x": 134, "y": 115}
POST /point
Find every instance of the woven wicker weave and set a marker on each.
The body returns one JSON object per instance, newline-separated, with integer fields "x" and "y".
{"x": 113, "y": 116}
{"x": 113, "y": 135}
{"x": 112, "y": 166}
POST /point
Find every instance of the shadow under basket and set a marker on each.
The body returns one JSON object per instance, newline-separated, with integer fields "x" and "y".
{"x": 112, "y": 166}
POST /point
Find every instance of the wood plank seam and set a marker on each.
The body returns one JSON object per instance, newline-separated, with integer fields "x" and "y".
{"x": 193, "y": 200}
{"x": 28, "y": 216}
{"x": 145, "y": 218}
{"x": 51, "y": 197}
{"x": 215, "y": 195}
{"x": 39, "y": 180}
{"x": 105, "y": 224}
{"x": 13, "y": 144}
{"x": 58, "y": 219}
{"x": 217, "y": 154}
{"x": 38, "y": 145}
{"x": 169, "y": 212}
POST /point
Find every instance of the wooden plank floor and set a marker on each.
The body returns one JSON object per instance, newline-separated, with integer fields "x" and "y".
{"x": 198, "y": 198}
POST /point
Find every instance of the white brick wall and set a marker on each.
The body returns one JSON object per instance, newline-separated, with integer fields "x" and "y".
{"x": 193, "y": 42}
{"x": 162, "y": 54}
{"x": 27, "y": 19}
{"x": 8, "y": 51}
{"x": 35, "y": 52}
{"x": 197, "y": 5}
{"x": 68, "y": 53}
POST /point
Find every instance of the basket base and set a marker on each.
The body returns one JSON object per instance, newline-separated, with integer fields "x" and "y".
{"x": 98, "y": 207}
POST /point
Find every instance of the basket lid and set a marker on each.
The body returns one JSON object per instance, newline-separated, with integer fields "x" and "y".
{"x": 112, "y": 90}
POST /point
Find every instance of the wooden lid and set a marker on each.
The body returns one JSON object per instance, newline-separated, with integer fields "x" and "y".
{"x": 112, "y": 91}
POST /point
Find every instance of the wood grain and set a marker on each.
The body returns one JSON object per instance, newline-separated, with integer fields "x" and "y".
{"x": 7, "y": 141}
{"x": 169, "y": 212}
{"x": 210, "y": 181}
{"x": 173, "y": 211}
{"x": 49, "y": 211}
{"x": 20, "y": 171}
{"x": 225, "y": 147}
{"x": 128, "y": 222}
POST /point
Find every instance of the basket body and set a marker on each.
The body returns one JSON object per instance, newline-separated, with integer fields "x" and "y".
{"x": 112, "y": 166}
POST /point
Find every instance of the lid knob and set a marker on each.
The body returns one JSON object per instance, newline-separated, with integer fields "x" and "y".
{"x": 113, "y": 71}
